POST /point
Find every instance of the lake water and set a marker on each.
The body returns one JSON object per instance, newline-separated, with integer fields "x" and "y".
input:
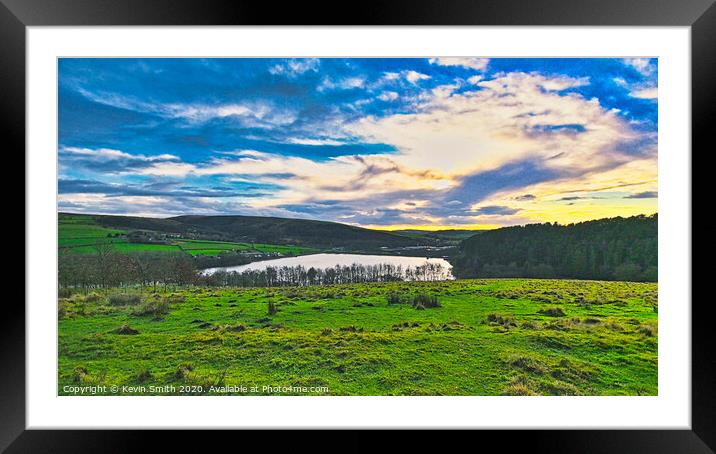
{"x": 323, "y": 261}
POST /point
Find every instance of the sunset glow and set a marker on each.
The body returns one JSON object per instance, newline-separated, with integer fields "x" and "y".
{"x": 388, "y": 143}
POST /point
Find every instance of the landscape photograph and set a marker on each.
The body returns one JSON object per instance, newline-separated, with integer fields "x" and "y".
{"x": 437, "y": 226}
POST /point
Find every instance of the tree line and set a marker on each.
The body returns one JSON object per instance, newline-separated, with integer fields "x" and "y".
{"x": 299, "y": 276}
{"x": 109, "y": 268}
{"x": 606, "y": 249}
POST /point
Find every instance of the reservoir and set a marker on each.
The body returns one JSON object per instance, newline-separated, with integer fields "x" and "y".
{"x": 324, "y": 261}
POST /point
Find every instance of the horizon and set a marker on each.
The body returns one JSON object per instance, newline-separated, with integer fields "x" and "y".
{"x": 391, "y": 229}
{"x": 381, "y": 143}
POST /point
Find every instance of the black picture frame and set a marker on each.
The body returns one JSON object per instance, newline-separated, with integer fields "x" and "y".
{"x": 700, "y": 15}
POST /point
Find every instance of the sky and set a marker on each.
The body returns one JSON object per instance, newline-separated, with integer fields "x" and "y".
{"x": 390, "y": 143}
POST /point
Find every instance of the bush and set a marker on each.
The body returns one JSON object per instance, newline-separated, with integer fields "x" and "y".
{"x": 519, "y": 386}
{"x": 646, "y": 331}
{"x": 79, "y": 375}
{"x": 394, "y": 298}
{"x": 155, "y": 307}
{"x": 92, "y": 297}
{"x": 518, "y": 389}
{"x": 553, "y": 312}
{"x": 175, "y": 299}
{"x": 144, "y": 375}
{"x": 272, "y": 309}
{"x": 183, "y": 371}
{"x": 126, "y": 329}
{"x": 61, "y": 309}
{"x": 64, "y": 292}
{"x": 495, "y": 319}
{"x": 124, "y": 299}
{"x": 528, "y": 364}
{"x": 235, "y": 328}
{"x": 423, "y": 301}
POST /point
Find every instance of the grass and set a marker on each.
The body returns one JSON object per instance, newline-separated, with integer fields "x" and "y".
{"x": 211, "y": 248}
{"x": 486, "y": 337}
{"x": 80, "y": 234}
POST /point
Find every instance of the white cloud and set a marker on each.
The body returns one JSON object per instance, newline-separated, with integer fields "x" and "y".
{"x": 510, "y": 117}
{"x": 643, "y": 65}
{"x": 560, "y": 83}
{"x": 444, "y": 91}
{"x": 414, "y": 77}
{"x": 388, "y": 96}
{"x": 109, "y": 154}
{"x": 391, "y": 76}
{"x": 479, "y": 64}
{"x": 640, "y": 90}
{"x": 316, "y": 142}
{"x": 253, "y": 114}
{"x": 171, "y": 169}
{"x": 645, "y": 93}
{"x": 450, "y": 135}
{"x": 296, "y": 67}
{"x": 347, "y": 83}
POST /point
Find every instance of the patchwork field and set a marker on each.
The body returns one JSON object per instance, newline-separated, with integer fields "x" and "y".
{"x": 486, "y": 337}
{"x": 80, "y": 235}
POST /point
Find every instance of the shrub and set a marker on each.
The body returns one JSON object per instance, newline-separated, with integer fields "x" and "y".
{"x": 646, "y": 330}
{"x": 423, "y": 301}
{"x": 518, "y": 389}
{"x": 183, "y": 371}
{"x": 126, "y": 329}
{"x": 61, "y": 309}
{"x": 528, "y": 364}
{"x": 351, "y": 329}
{"x": 92, "y": 297}
{"x": 144, "y": 375}
{"x": 519, "y": 386}
{"x": 175, "y": 299}
{"x": 272, "y": 309}
{"x": 553, "y": 312}
{"x": 124, "y": 299}
{"x": 235, "y": 328}
{"x": 64, "y": 292}
{"x": 495, "y": 319}
{"x": 79, "y": 374}
{"x": 614, "y": 326}
{"x": 394, "y": 298}
{"x": 155, "y": 307}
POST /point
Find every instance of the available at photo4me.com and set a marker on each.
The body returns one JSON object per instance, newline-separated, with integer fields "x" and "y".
{"x": 448, "y": 226}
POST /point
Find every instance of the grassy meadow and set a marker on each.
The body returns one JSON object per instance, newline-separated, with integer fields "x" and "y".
{"x": 485, "y": 337}
{"x": 80, "y": 234}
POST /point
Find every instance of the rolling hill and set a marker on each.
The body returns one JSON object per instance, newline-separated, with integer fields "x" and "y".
{"x": 605, "y": 249}
{"x": 255, "y": 229}
{"x": 453, "y": 235}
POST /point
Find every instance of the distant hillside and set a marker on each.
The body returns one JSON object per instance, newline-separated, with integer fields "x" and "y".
{"x": 614, "y": 248}
{"x": 300, "y": 232}
{"x": 448, "y": 234}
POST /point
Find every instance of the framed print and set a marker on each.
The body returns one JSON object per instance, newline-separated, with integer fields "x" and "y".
{"x": 474, "y": 217}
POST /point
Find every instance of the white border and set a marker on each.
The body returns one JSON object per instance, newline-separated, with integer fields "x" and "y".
{"x": 670, "y": 409}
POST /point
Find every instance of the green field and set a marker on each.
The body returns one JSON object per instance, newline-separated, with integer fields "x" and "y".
{"x": 488, "y": 337}
{"x": 204, "y": 247}
{"x": 83, "y": 231}
{"x": 80, "y": 235}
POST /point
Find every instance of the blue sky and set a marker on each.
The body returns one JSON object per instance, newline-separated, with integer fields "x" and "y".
{"x": 389, "y": 143}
